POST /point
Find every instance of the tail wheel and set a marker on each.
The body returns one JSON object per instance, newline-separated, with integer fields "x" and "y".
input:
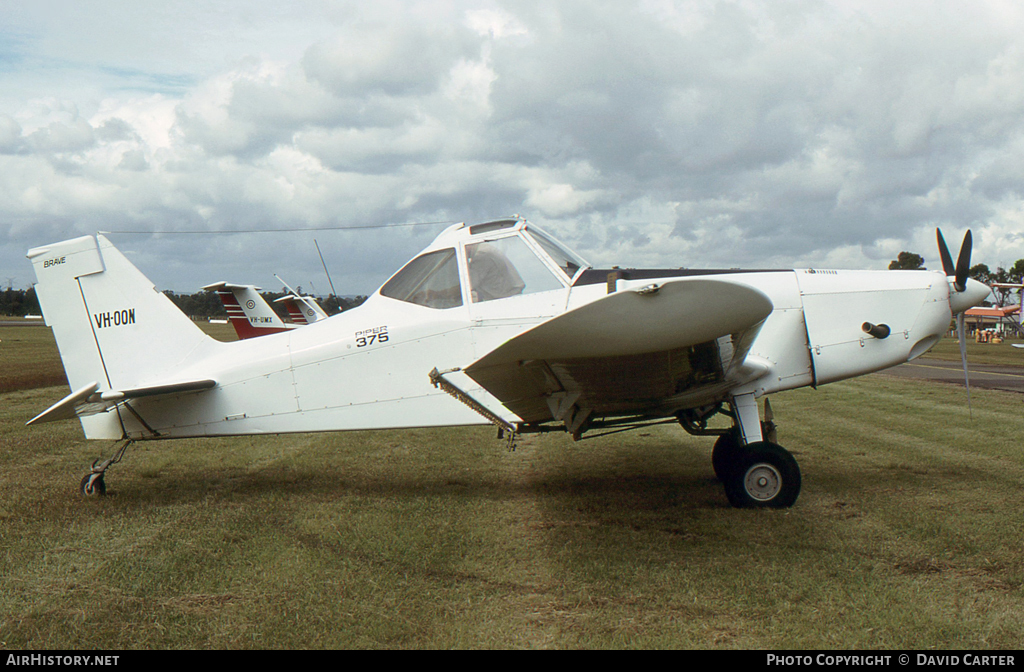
{"x": 764, "y": 476}
{"x": 93, "y": 487}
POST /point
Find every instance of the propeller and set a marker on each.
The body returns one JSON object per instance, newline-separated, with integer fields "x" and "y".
{"x": 947, "y": 261}
{"x": 963, "y": 260}
{"x": 959, "y": 285}
{"x": 963, "y": 358}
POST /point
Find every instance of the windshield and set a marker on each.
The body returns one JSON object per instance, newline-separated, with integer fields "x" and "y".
{"x": 566, "y": 261}
{"x": 506, "y": 267}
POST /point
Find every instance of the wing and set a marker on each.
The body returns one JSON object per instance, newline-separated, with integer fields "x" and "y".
{"x": 650, "y": 351}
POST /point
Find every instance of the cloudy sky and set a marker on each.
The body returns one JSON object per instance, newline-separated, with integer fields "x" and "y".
{"x": 662, "y": 133}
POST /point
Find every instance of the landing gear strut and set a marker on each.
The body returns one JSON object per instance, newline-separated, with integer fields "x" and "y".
{"x": 756, "y": 471}
{"x": 92, "y": 484}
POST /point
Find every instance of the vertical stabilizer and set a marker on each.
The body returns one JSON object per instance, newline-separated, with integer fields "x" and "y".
{"x": 111, "y": 325}
{"x": 302, "y": 309}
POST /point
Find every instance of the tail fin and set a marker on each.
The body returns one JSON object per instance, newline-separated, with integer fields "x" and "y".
{"x": 291, "y": 304}
{"x": 111, "y": 325}
{"x": 249, "y": 313}
{"x": 302, "y": 309}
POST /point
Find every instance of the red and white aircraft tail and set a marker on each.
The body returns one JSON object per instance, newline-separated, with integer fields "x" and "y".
{"x": 250, "y": 314}
{"x": 301, "y": 309}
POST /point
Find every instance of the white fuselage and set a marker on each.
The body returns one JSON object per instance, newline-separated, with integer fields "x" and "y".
{"x": 499, "y": 306}
{"x": 368, "y": 368}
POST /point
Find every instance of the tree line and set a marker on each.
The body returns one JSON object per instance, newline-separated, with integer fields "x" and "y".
{"x": 19, "y": 302}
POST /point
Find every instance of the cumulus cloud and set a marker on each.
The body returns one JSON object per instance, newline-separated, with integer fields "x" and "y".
{"x": 10, "y": 135}
{"x": 665, "y": 133}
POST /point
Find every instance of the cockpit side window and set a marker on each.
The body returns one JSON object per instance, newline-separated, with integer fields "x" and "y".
{"x": 506, "y": 267}
{"x": 430, "y": 280}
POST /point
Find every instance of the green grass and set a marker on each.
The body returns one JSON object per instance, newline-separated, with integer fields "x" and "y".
{"x": 907, "y": 534}
{"x": 997, "y": 354}
{"x": 29, "y": 359}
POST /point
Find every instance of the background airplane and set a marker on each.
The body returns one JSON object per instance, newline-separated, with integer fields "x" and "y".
{"x": 495, "y": 323}
{"x": 301, "y": 309}
{"x": 252, "y": 316}
{"x": 249, "y": 313}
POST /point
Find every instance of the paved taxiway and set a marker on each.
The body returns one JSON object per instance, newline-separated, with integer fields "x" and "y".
{"x": 1010, "y": 378}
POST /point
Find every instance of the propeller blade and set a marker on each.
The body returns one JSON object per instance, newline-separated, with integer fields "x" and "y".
{"x": 947, "y": 261}
{"x": 963, "y": 357}
{"x": 963, "y": 263}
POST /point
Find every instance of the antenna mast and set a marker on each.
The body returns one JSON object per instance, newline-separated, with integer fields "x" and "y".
{"x": 325, "y": 267}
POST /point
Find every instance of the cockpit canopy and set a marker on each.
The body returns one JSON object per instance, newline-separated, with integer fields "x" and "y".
{"x": 485, "y": 262}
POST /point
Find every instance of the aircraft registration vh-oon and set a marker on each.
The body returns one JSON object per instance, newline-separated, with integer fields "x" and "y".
{"x": 494, "y": 323}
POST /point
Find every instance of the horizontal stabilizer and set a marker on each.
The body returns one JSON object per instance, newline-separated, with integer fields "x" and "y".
{"x": 228, "y": 286}
{"x": 155, "y": 390}
{"x": 87, "y": 401}
{"x": 68, "y": 406}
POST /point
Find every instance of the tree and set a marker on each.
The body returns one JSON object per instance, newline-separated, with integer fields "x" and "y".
{"x": 19, "y": 302}
{"x": 335, "y": 304}
{"x": 907, "y": 261}
{"x": 1012, "y": 276}
{"x": 1017, "y": 271}
{"x": 981, "y": 273}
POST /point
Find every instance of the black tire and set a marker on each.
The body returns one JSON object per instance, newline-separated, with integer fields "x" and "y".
{"x": 725, "y": 455}
{"x": 98, "y": 489}
{"x": 766, "y": 476}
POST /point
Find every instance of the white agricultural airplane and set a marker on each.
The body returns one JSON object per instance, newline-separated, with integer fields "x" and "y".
{"x": 494, "y": 323}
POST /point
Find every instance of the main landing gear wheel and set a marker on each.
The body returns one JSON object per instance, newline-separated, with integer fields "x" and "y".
{"x": 764, "y": 476}
{"x": 725, "y": 454}
{"x": 93, "y": 487}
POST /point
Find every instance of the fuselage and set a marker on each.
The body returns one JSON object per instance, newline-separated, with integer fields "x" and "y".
{"x": 474, "y": 289}
{"x": 368, "y": 367}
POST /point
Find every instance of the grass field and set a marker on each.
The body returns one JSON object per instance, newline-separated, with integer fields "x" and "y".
{"x": 1000, "y": 354}
{"x": 29, "y": 359}
{"x": 907, "y": 534}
